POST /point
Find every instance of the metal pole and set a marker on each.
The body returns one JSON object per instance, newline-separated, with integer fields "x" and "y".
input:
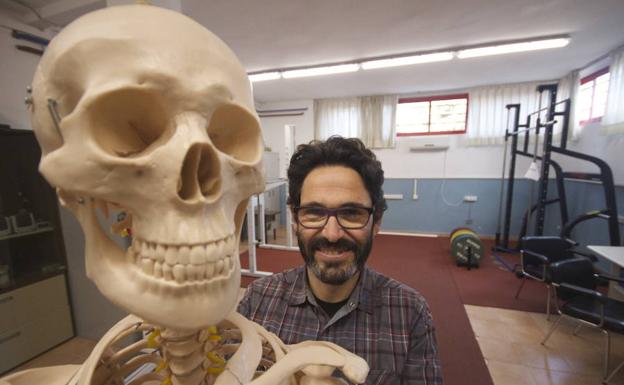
{"x": 551, "y": 122}
{"x": 533, "y": 162}
{"x": 502, "y": 183}
{"x": 264, "y": 242}
{"x": 251, "y": 234}
{"x": 261, "y": 219}
{"x": 546, "y": 155}
{"x": 279, "y": 247}
{"x": 512, "y": 174}
{"x": 527, "y": 134}
{"x": 566, "y": 123}
{"x": 289, "y": 224}
{"x": 252, "y": 271}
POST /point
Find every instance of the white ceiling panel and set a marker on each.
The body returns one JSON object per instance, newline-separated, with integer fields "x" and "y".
{"x": 274, "y": 34}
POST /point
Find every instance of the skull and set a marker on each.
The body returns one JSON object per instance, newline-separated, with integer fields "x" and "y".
{"x": 155, "y": 116}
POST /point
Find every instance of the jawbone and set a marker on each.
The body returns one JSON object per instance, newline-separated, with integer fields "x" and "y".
{"x": 185, "y": 287}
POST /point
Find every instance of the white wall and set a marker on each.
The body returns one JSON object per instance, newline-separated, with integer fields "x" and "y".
{"x": 273, "y": 127}
{"x": 486, "y": 162}
{"x": 461, "y": 162}
{"x": 458, "y": 161}
{"x": 592, "y": 141}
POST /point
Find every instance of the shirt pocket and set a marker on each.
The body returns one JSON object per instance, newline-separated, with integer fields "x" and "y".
{"x": 382, "y": 377}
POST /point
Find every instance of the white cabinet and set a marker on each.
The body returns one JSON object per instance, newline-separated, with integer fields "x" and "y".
{"x": 33, "y": 319}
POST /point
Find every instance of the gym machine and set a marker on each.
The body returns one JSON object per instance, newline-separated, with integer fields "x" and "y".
{"x": 552, "y": 111}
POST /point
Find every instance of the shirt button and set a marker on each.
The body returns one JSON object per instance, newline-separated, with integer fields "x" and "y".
{"x": 351, "y": 304}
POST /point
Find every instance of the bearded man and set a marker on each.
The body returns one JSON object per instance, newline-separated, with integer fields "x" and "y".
{"x": 337, "y": 203}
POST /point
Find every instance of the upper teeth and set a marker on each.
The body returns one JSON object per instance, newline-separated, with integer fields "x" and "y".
{"x": 333, "y": 251}
{"x": 185, "y": 262}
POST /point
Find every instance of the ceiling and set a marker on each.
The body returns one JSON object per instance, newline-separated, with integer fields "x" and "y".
{"x": 273, "y": 34}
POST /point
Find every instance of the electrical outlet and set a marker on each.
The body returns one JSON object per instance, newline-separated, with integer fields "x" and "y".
{"x": 470, "y": 198}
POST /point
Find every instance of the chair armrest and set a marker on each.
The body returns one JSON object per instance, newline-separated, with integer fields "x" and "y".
{"x": 582, "y": 290}
{"x": 542, "y": 259}
{"x": 533, "y": 259}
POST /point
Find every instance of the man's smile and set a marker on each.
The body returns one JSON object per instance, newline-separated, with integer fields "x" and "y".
{"x": 333, "y": 255}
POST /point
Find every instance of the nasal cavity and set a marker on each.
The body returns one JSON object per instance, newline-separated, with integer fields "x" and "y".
{"x": 200, "y": 176}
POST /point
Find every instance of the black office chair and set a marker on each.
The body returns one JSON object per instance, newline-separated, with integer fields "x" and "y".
{"x": 575, "y": 285}
{"x": 537, "y": 253}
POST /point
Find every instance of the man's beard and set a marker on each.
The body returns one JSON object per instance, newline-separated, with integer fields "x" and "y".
{"x": 333, "y": 273}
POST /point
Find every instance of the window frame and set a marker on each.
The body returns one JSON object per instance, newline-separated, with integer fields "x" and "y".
{"x": 433, "y": 99}
{"x": 586, "y": 79}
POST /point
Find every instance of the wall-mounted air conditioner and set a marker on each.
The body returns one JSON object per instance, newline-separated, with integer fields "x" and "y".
{"x": 429, "y": 144}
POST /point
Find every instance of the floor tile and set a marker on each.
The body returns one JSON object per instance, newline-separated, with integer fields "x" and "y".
{"x": 537, "y": 356}
{"x": 494, "y": 349}
{"x": 509, "y": 374}
{"x": 74, "y": 351}
{"x": 552, "y": 377}
{"x": 511, "y": 344}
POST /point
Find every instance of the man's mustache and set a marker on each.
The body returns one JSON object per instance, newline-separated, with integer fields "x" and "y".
{"x": 323, "y": 243}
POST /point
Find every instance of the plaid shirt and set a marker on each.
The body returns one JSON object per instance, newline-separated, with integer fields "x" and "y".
{"x": 385, "y": 322}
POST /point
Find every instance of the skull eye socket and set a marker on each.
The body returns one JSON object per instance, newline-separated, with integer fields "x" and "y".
{"x": 125, "y": 122}
{"x": 236, "y": 132}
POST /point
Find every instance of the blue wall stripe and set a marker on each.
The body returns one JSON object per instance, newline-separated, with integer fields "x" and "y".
{"x": 431, "y": 212}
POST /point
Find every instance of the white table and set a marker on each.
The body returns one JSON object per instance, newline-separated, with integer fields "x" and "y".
{"x": 614, "y": 254}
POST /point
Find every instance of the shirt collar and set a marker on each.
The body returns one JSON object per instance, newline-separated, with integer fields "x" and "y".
{"x": 362, "y": 295}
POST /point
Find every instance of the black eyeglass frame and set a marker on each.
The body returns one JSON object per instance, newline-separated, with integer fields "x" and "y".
{"x": 333, "y": 213}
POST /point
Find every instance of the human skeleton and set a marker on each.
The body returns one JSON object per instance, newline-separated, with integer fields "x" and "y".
{"x": 142, "y": 110}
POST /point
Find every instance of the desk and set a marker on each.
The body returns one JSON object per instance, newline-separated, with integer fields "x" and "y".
{"x": 614, "y": 254}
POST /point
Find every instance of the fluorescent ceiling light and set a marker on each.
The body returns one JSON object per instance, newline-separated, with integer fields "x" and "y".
{"x": 315, "y": 71}
{"x": 514, "y": 47}
{"x": 407, "y": 60}
{"x": 498, "y": 49}
{"x": 264, "y": 76}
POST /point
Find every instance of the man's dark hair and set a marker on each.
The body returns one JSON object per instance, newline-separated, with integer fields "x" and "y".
{"x": 336, "y": 150}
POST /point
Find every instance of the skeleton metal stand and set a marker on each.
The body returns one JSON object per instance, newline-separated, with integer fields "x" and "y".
{"x": 257, "y": 207}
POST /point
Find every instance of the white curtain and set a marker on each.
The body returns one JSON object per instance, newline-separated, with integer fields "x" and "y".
{"x": 379, "y": 120}
{"x": 487, "y": 115}
{"x": 568, "y": 88}
{"x": 337, "y": 117}
{"x": 613, "y": 119}
{"x": 369, "y": 118}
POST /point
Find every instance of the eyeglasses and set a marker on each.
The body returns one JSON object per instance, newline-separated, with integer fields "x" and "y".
{"x": 349, "y": 217}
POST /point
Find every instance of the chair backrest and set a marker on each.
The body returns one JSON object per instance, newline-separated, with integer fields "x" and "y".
{"x": 552, "y": 247}
{"x": 575, "y": 271}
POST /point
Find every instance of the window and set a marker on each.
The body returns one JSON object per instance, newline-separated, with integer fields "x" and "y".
{"x": 592, "y": 96}
{"x": 435, "y": 115}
